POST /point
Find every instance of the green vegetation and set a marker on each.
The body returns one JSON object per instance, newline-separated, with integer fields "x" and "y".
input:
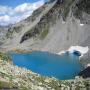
{"x": 84, "y": 61}
{"x": 44, "y": 33}
{"x": 17, "y": 29}
{"x": 11, "y": 31}
{"x": 54, "y": 84}
{"x": 9, "y": 34}
{"x": 4, "y": 57}
{"x": 66, "y": 7}
{"x": 40, "y": 79}
{"x": 7, "y": 85}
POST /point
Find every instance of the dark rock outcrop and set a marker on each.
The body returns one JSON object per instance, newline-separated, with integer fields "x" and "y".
{"x": 85, "y": 73}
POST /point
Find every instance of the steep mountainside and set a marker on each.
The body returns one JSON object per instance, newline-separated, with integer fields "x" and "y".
{"x": 53, "y": 27}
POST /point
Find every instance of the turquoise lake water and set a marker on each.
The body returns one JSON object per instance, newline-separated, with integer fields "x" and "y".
{"x": 62, "y": 67}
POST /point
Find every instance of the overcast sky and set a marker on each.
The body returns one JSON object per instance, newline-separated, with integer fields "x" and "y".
{"x": 12, "y": 11}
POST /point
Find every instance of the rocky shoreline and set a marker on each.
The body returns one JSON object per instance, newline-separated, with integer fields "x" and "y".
{"x": 12, "y": 76}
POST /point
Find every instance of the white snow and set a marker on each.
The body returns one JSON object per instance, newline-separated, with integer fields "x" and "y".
{"x": 62, "y": 52}
{"x": 82, "y": 50}
{"x": 81, "y": 24}
{"x": 88, "y": 65}
{"x": 63, "y": 22}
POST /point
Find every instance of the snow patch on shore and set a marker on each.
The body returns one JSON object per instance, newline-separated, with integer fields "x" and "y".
{"x": 62, "y": 52}
{"x": 82, "y": 50}
{"x": 88, "y": 65}
{"x": 81, "y": 24}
